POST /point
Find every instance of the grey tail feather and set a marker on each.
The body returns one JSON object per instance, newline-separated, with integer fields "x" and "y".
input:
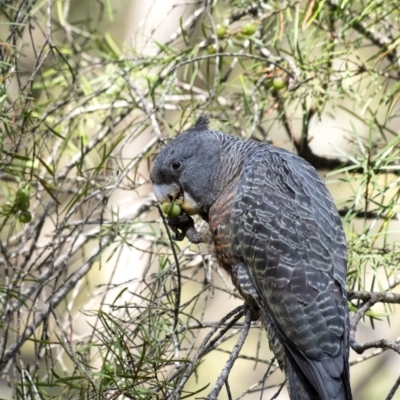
{"x": 298, "y": 386}
{"x": 202, "y": 122}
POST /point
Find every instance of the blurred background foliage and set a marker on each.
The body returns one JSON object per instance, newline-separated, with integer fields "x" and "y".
{"x": 96, "y": 300}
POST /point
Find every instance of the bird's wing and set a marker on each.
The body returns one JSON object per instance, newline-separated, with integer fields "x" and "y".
{"x": 287, "y": 230}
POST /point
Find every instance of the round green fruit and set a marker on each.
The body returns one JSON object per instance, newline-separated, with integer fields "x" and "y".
{"x": 278, "y": 83}
{"x": 220, "y": 31}
{"x": 22, "y": 194}
{"x": 171, "y": 210}
{"x": 166, "y": 207}
{"x": 22, "y": 199}
{"x": 249, "y": 29}
{"x": 25, "y": 217}
{"x": 24, "y": 204}
{"x": 7, "y": 207}
{"x": 212, "y": 49}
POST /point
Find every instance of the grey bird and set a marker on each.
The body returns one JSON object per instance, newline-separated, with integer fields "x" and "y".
{"x": 278, "y": 234}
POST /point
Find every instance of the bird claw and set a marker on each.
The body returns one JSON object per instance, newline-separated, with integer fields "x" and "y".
{"x": 183, "y": 226}
{"x": 180, "y": 225}
{"x": 255, "y": 313}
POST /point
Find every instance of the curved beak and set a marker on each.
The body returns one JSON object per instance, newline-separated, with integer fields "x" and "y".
{"x": 170, "y": 192}
{"x": 166, "y": 192}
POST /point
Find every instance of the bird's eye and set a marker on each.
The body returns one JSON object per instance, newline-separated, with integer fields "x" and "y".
{"x": 176, "y": 165}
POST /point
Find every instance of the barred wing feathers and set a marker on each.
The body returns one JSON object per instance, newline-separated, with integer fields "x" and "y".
{"x": 287, "y": 230}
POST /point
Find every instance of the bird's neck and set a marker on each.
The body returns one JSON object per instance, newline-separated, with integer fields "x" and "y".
{"x": 234, "y": 153}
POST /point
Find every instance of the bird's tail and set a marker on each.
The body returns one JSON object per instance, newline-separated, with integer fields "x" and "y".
{"x": 298, "y": 385}
{"x": 329, "y": 388}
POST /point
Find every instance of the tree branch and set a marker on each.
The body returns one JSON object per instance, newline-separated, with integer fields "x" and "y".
{"x": 370, "y": 298}
{"x": 374, "y": 297}
{"x": 223, "y": 377}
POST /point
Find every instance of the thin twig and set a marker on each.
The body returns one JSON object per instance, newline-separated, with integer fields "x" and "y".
{"x": 235, "y": 352}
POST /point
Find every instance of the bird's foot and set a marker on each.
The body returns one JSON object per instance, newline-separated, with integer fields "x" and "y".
{"x": 183, "y": 225}
{"x": 179, "y": 225}
{"x": 254, "y": 310}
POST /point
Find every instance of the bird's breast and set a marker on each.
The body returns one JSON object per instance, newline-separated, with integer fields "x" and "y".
{"x": 220, "y": 227}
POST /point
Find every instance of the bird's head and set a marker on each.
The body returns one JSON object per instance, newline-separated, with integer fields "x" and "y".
{"x": 185, "y": 170}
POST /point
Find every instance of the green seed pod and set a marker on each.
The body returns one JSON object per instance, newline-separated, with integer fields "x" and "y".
{"x": 248, "y": 29}
{"x": 220, "y": 31}
{"x": 24, "y": 204}
{"x": 25, "y": 217}
{"x": 22, "y": 194}
{"x": 278, "y": 83}
{"x": 166, "y": 207}
{"x": 7, "y": 207}
{"x": 171, "y": 210}
{"x": 212, "y": 49}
